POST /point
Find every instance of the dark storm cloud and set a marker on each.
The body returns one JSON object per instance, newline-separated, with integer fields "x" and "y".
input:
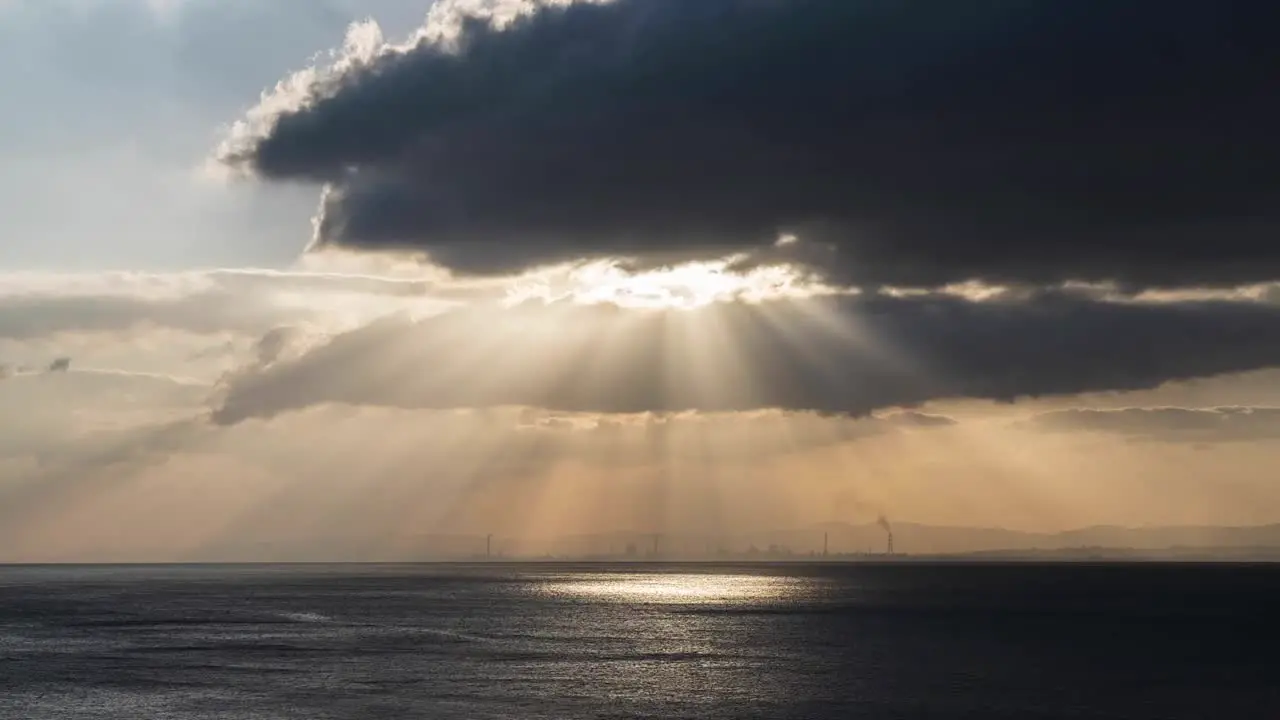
{"x": 928, "y": 141}
{"x": 1171, "y": 424}
{"x": 844, "y": 355}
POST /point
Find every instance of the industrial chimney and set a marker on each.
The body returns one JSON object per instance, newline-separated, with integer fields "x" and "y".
{"x": 883, "y": 522}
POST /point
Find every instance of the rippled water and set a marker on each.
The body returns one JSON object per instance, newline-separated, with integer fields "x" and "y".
{"x": 892, "y": 641}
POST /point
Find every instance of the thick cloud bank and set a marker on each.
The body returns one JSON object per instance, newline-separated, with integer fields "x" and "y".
{"x": 927, "y": 141}
{"x": 841, "y": 355}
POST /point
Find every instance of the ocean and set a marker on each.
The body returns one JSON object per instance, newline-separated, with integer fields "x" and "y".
{"x": 891, "y": 640}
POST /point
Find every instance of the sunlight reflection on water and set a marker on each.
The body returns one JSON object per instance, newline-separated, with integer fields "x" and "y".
{"x": 671, "y": 588}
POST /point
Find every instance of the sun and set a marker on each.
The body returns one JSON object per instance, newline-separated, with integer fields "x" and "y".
{"x": 687, "y": 286}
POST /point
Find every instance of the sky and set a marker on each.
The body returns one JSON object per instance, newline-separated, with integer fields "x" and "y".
{"x": 351, "y": 274}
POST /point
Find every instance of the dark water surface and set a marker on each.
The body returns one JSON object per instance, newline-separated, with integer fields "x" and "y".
{"x": 835, "y": 641}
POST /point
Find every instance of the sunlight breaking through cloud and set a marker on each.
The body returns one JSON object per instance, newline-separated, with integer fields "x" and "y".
{"x": 681, "y": 286}
{"x": 636, "y": 267}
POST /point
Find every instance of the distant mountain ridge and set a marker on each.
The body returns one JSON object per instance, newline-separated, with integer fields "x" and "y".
{"x": 914, "y": 538}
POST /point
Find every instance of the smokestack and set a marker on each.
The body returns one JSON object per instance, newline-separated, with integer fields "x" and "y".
{"x": 883, "y": 522}
{"x": 488, "y": 546}
{"x": 824, "y": 544}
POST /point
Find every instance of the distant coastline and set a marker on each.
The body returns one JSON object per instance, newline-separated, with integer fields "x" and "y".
{"x": 824, "y": 543}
